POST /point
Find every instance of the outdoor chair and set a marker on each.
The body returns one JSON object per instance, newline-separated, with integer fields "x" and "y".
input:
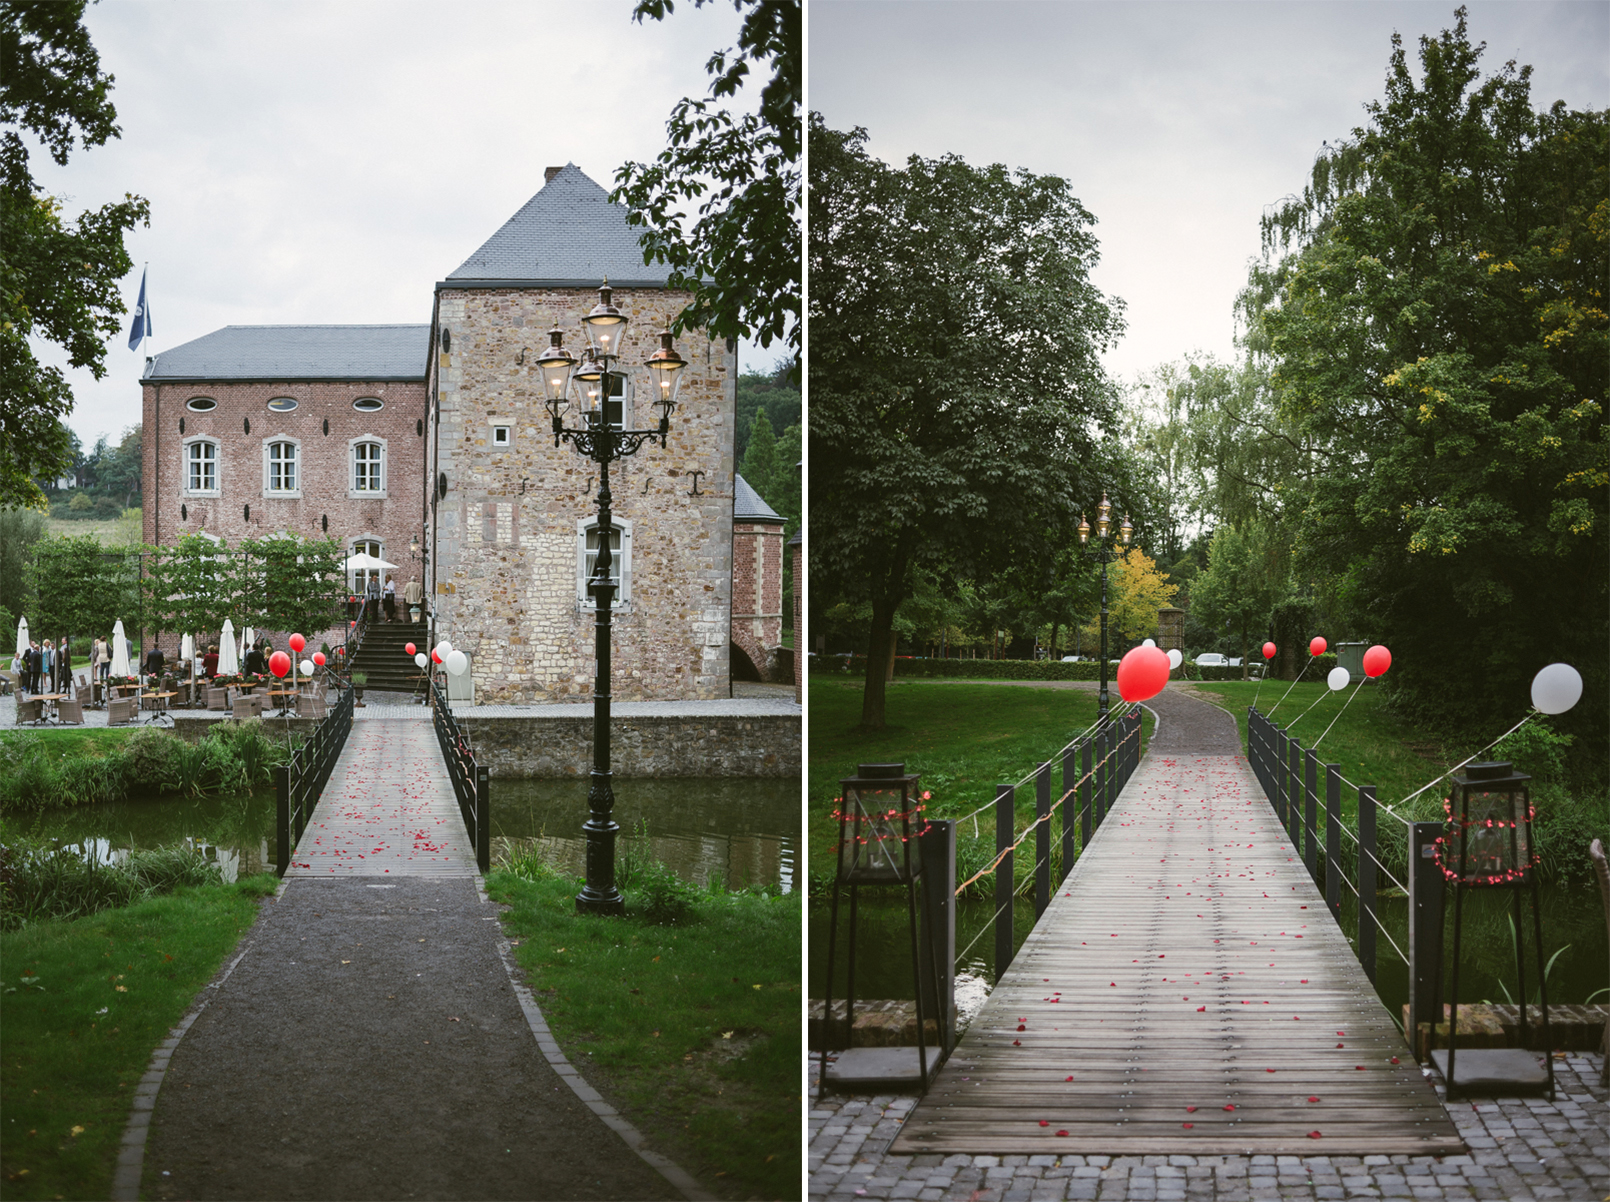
{"x": 244, "y": 707}
{"x": 217, "y": 699}
{"x": 120, "y": 711}
{"x": 29, "y": 710}
{"x": 1601, "y": 869}
{"x": 70, "y": 711}
{"x": 312, "y": 705}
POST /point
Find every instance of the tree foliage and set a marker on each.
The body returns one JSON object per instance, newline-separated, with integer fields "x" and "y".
{"x": 739, "y": 253}
{"x": 956, "y": 384}
{"x": 1432, "y": 308}
{"x": 58, "y": 275}
{"x": 1136, "y": 590}
{"x": 1246, "y": 575}
{"x": 81, "y": 586}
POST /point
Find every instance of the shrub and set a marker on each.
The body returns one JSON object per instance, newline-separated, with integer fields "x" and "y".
{"x": 153, "y": 756}
{"x": 38, "y": 881}
{"x": 665, "y": 897}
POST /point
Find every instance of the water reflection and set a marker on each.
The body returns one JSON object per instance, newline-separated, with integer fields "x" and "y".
{"x": 736, "y": 830}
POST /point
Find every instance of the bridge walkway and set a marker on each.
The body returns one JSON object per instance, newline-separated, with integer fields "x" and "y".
{"x": 1185, "y": 992}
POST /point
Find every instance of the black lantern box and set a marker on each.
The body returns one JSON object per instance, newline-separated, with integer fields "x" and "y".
{"x": 880, "y": 814}
{"x": 1488, "y": 835}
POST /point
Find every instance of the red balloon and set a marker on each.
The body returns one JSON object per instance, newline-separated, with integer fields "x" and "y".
{"x": 1142, "y": 673}
{"x": 1377, "y": 660}
{"x": 1316, "y": 646}
{"x": 318, "y": 658}
{"x": 297, "y": 642}
{"x": 410, "y": 649}
{"x": 1268, "y": 651}
{"x": 279, "y": 663}
{"x": 436, "y": 656}
{"x": 352, "y": 625}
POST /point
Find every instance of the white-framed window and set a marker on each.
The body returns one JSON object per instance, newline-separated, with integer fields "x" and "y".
{"x": 367, "y": 460}
{"x": 282, "y": 467}
{"x": 501, "y": 436}
{"x": 358, "y": 578}
{"x": 201, "y": 467}
{"x": 620, "y": 568}
{"x": 201, "y": 404}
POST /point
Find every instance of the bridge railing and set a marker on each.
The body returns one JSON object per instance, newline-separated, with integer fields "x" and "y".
{"x": 1307, "y": 797}
{"x": 471, "y": 783}
{"x": 300, "y": 782}
{"x": 1095, "y": 768}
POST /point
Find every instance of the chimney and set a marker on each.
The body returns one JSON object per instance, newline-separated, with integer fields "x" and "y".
{"x": 550, "y": 173}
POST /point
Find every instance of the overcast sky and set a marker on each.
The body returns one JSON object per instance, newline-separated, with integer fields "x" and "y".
{"x": 329, "y": 162}
{"x": 1175, "y": 123}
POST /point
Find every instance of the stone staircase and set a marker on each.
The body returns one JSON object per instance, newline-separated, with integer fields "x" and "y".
{"x": 383, "y": 659}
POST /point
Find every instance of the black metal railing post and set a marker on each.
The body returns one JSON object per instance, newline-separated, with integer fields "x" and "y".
{"x": 1366, "y": 880}
{"x": 1294, "y": 812}
{"x": 1280, "y": 775}
{"x": 1070, "y": 811}
{"x": 1333, "y": 839}
{"x": 282, "y": 820}
{"x": 1004, "y": 809}
{"x": 1311, "y": 814}
{"x": 483, "y": 819}
{"x": 1042, "y": 839}
{"x": 1086, "y": 791}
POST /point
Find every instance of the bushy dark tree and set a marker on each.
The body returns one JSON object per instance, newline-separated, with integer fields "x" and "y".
{"x": 956, "y": 384}
{"x": 58, "y": 276}
{"x": 1433, "y": 311}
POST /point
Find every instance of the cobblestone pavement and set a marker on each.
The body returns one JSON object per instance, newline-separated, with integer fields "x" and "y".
{"x": 1520, "y": 1148}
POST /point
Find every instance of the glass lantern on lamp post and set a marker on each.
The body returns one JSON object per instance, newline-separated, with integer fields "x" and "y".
{"x": 588, "y": 383}
{"x": 1105, "y": 552}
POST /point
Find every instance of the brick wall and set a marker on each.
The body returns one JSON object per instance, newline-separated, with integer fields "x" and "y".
{"x": 757, "y": 592}
{"x": 505, "y": 537}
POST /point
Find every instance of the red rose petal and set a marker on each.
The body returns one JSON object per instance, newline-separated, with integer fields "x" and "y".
{"x": 1314, "y": 1135}
{"x": 1394, "y": 1060}
{"x": 1067, "y": 1078}
{"x": 1021, "y": 1027}
{"x": 1187, "y": 1125}
{"x": 1199, "y": 1009}
{"x": 1061, "y": 1132}
{"x": 1313, "y": 1099}
{"x": 1017, "y": 1043}
{"x": 1230, "y": 1107}
{"x": 1044, "y": 1123}
{"x": 1190, "y": 1110}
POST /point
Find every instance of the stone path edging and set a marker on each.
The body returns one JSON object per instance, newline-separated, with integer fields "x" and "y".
{"x": 679, "y": 1178}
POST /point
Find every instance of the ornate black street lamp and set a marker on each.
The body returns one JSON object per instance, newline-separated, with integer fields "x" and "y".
{"x": 593, "y": 377}
{"x": 1106, "y": 553}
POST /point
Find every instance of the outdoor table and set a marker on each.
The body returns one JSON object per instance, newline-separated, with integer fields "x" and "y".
{"x": 47, "y": 712}
{"x": 159, "y": 705}
{"x": 286, "y": 708}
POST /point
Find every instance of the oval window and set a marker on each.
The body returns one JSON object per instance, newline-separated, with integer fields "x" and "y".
{"x": 282, "y": 404}
{"x": 368, "y": 403}
{"x": 201, "y": 404}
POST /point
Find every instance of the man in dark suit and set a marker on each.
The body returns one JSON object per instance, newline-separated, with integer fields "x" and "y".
{"x": 36, "y": 668}
{"x": 154, "y": 662}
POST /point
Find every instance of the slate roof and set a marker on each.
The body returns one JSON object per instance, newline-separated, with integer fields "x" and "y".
{"x": 747, "y": 505}
{"x": 567, "y": 235}
{"x": 298, "y": 353}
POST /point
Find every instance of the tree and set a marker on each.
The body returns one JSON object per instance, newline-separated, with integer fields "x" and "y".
{"x": 291, "y": 584}
{"x": 1433, "y": 310}
{"x": 778, "y": 392}
{"x": 1238, "y": 589}
{"x": 740, "y": 255}
{"x": 20, "y": 532}
{"x": 1136, "y": 590}
{"x": 82, "y": 586}
{"x": 760, "y": 460}
{"x": 955, "y": 373}
{"x": 58, "y": 277}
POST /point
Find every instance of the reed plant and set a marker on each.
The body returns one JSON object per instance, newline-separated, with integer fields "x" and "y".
{"x": 39, "y": 880}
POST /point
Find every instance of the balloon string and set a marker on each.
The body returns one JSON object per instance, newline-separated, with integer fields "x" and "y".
{"x": 1393, "y": 809}
{"x": 1287, "y": 693}
{"x": 1304, "y": 714}
{"x": 1339, "y": 713}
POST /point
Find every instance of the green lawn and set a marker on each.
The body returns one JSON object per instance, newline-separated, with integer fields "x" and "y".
{"x": 85, "y": 740}
{"x": 83, "y": 1004}
{"x": 963, "y": 737}
{"x": 692, "y": 1031}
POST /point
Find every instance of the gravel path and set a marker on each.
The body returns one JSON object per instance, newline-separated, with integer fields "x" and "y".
{"x": 369, "y": 1044}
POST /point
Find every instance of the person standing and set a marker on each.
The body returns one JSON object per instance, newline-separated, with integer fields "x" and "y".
{"x": 372, "y": 593}
{"x": 49, "y": 664}
{"x": 97, "y": 659}
{"x": 413, "y": 597}
{"x": 390, "y": 599}
{"x": 36, "y": 665}
{"x": 256, "y": 662}
{"x": 209, "y": 662}
{"x": 153, "y": 666}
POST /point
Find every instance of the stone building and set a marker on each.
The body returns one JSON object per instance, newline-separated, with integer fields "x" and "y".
{"x": 512, "y": 516}
{"x": 311, "y": 430}
{"x": 757, "y": 585}
{"x": 376, "y": 435}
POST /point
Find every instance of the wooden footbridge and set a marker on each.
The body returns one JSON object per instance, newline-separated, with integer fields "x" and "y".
{"x": 1186, "y": 991}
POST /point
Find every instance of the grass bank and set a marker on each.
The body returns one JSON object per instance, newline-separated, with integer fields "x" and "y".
{"x": 964, "y": 738}
{"x": 83, "y": 1005}
{"x": 690, "y": 1028}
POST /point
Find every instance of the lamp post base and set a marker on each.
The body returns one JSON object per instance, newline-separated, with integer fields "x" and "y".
{"x": 600, "y": 904}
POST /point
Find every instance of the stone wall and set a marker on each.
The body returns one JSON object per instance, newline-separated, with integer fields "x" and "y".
{"x": 555, "y": 747}
{"x": 506, "y": 557}
{"x": 757, "y": 593}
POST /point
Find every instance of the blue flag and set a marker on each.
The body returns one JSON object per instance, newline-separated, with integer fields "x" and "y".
{"x": 142, "y": 319}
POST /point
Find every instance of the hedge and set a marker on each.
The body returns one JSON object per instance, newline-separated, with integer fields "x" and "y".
{"x": 1027, "y": 669}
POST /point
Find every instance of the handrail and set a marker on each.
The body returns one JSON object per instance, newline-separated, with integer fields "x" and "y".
{"x": 471, "y": 783}
{"x": 300, "y": 782}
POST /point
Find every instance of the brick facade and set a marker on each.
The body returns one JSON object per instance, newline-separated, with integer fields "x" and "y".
{"x": 506, "y": 535}
{"x": 757, "y": 592}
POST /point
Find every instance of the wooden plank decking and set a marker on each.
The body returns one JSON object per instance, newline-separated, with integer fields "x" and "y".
{"x": 1185, "y": 992}
{"x": 388, "y": 809}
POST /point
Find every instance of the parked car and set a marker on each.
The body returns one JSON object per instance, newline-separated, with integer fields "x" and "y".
{"x": 1211, "y": 659}
{"x": 1073, "y": 659}
{"x": 1233, "y": 662}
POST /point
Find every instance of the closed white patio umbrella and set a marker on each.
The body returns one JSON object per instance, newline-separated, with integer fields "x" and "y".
{"x": 247, "y": 641}
{"x": 120, "y": 651}
{"x": 22, "y": 635}
{"x": 228, "y": 660}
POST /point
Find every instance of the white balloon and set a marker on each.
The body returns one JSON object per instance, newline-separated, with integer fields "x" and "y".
{"x": 307, "y": 667}
{"x": 421, "y": 659}
{"x": 1149, "y": 643}
{"x": 444, "y": 648}
{"x": 1556, "y": 688}
{"x": 1175, "y": 659}
{"x": 458, "y": 663}
{"x": 1339, "y": 678}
